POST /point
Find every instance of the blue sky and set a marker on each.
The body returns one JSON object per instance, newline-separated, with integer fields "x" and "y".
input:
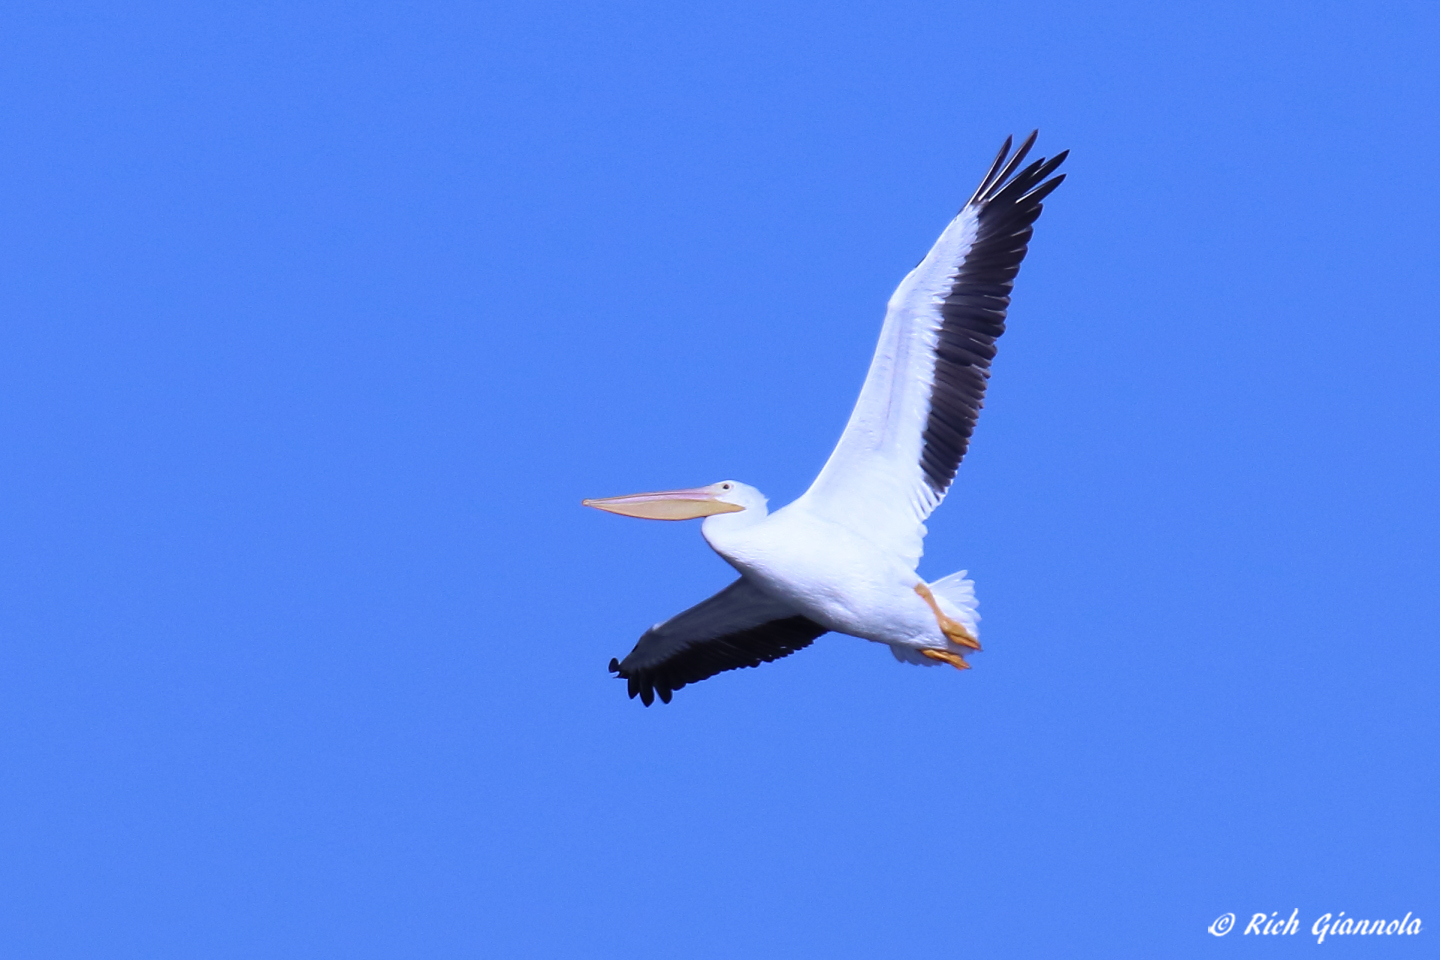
{"x": 321, "y": 318}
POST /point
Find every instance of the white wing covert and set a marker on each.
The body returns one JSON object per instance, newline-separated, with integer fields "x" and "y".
{"x": 911, "y": 426}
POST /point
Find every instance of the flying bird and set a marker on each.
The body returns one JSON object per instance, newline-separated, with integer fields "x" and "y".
{"x": 843, "y": 556}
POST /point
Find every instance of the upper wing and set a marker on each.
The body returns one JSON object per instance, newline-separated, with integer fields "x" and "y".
{"x": 913, "y": 421}
{"x": 741, "y": 626}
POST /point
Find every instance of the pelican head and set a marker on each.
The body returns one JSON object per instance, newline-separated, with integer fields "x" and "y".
{"x": 727, "y": 496}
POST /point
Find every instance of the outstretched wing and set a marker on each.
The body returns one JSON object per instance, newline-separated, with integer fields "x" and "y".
{"x": 912, "y": 423}
{"x": 741, "y": 626}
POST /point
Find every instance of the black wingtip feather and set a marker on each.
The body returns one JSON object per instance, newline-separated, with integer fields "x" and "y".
{"x": 1045, "y": 189}
{"x": 1051, "y": 164}
{"x": 994, "y": 168}
{"x": 1001, "y": 181}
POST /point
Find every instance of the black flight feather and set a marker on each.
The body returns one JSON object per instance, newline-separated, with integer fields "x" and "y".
{"x": 973, "y": 314}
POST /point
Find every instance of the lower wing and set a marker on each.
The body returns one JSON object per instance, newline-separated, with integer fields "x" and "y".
{"x": 741, "y": 626}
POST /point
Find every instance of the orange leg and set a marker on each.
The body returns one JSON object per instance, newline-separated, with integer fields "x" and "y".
{"x": 945, "y": 656}
{"x": 953, "y": 629}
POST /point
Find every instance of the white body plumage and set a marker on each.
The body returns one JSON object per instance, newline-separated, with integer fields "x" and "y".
{"x": 833, "y": 575}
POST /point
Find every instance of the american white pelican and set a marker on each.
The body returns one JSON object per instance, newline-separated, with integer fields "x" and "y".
{"x": 843, "y": 556}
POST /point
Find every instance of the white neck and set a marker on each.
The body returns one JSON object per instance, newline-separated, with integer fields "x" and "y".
{"x": 720, "y": 528}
